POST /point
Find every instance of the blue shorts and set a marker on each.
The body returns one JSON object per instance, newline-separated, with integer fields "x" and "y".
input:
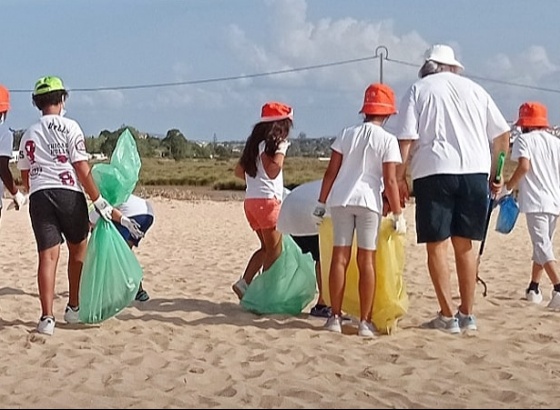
{"x": 451, "y": 205}
{"x": 145, "y": 222}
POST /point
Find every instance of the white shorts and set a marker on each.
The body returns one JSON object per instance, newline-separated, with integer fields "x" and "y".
{"x": 541, "y": 228}
{"x": 364, "y": 221}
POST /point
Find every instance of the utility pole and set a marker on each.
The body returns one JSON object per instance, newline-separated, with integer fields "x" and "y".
{"x": 381, "y": 52}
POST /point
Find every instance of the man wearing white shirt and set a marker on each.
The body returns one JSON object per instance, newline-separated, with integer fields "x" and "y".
{"x": 445, "y": 126}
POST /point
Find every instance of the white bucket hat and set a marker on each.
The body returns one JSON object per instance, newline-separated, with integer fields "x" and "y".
{"x": 443, "y": 54}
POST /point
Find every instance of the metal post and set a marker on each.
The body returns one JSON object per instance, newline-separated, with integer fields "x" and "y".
{"x": 379, "y": 53}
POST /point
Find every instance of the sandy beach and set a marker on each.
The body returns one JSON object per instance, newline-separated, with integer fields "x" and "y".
{"x": 192, "y": 345}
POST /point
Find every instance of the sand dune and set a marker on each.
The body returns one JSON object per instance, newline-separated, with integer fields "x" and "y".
{"x": 191, "y": 344}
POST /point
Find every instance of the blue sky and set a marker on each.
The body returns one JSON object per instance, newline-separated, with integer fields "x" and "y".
{"x": 109, "y": 44}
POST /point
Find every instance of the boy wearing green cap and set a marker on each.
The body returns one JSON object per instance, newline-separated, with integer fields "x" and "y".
{"x": 55, "y": 171}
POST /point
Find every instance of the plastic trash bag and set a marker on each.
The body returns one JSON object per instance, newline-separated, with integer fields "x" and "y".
{"x": 287, "y": 287}
{"x": 391, "y": 299}
{"x": 111, "y": 275}
{"x": 509, "y": 211}
{"x": 117, "y": 180}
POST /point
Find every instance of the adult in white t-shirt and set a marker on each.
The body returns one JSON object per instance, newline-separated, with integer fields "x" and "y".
{"x": 6, "y": 149}
{"x": 55, "y": 170}
{"x": 537, "y": 175}
{"x": 446, "y": 126}
{"x": 362, "y": 166}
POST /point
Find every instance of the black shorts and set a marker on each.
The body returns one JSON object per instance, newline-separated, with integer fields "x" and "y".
{"x": 309, "y": 244}
{"x": 451, "y": 205}
{"x": 57, "y": 212}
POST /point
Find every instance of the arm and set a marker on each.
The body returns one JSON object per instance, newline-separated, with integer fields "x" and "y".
{"x": 6, "y": 175}
{"x": 499, "y": 144}
{"x": 25, "y": 179}
{"x": 392, "y": 187}
{"x": 330, "y": 175}
{"x": 239, "y": 172}
{"x": 83, "y": 171}
{"x": 402, "y": 184}
{"x": 523, "y": 166}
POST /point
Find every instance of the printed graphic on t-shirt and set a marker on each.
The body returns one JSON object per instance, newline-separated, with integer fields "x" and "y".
{"x": 48, "y": 149}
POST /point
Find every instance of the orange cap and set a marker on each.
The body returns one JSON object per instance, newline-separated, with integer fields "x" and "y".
{"x": 275, "y": 111}
{"x": 379, "y": 99}
{"x": 532, "y": 114}
{"x": 4, "y": 99}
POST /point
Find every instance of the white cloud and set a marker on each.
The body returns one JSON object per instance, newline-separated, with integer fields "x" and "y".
{"x": 293, "y": 41}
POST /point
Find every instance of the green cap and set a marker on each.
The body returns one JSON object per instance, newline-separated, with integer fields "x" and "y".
{"x": 48, "y": 84}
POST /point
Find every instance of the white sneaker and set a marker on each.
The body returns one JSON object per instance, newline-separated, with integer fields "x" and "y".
{"x": 554, "y": 301}
{"x": 46, "y": 325}
{"x": 240, "y": 287}
{"x": 366, "y": 329}
{"x": 72, "y": 315}
{"x": 334, "y": 324}
{"x": 533, "y": 297}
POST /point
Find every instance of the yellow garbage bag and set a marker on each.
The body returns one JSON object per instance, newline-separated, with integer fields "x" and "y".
{"x": 391, "y": 298}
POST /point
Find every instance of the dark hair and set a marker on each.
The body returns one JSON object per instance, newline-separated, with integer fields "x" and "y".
{"x": 273, "y": 132}
{"x": 53, "y": 98}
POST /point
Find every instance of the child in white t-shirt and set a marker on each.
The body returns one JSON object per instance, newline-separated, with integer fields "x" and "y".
{"x": 537, "y": 175}
{"x": 6, "y": 148}
{"x": 362, "y": 166}
{"x": 132, "y": 219}
{"x": 261, "y": 166}
{"x": 55, "y": 171}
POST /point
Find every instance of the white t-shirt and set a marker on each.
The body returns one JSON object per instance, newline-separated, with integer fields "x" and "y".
{"x": 539, "y": 189}
{"x": 6, "y": 142}
{"x": 364, "y": 148}
{"x": 296, "y": 210}
{"x": 133, "y": 206}
{"x": 48, "y": 149}
{"x": 453, "y": 122}
{"x": 261, "y": 186}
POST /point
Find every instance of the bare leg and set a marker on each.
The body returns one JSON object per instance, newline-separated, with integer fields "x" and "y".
{"x": 366, "y": 267}
{"x": 254, "y": 265}
{"x": 536, "y": 273}
{"x": 76, "y": 257}
{"x": 550, "y": 268}
{"x": 337, "y": 276}
{"x": 46, "y": 276}
{"x": 318, "y": 273}
{"x": 439, "y": 273}
{"x": 465, "y": 262}
{"x": 272, "y": 241}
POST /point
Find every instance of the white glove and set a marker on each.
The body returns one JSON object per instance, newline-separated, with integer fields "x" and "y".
{"x": 319, "y": 213}
{"x": 399, "y": 224}
{"x": 103, "y": 207}
{"x": 19, "y": 200}
{"x": 283, "y": 147}
{"x": 132, "y": 226}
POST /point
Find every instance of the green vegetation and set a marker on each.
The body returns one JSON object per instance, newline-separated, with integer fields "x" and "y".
{"x": 174, "y": 162}
{"x": 218, "y": 174}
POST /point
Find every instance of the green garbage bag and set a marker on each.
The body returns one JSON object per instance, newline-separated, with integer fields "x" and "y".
{"x": 111, "y": 274}
{"x": 117, "y": 180}
{"x": 287, "y": 287}
{"x": 110, "y": 277}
